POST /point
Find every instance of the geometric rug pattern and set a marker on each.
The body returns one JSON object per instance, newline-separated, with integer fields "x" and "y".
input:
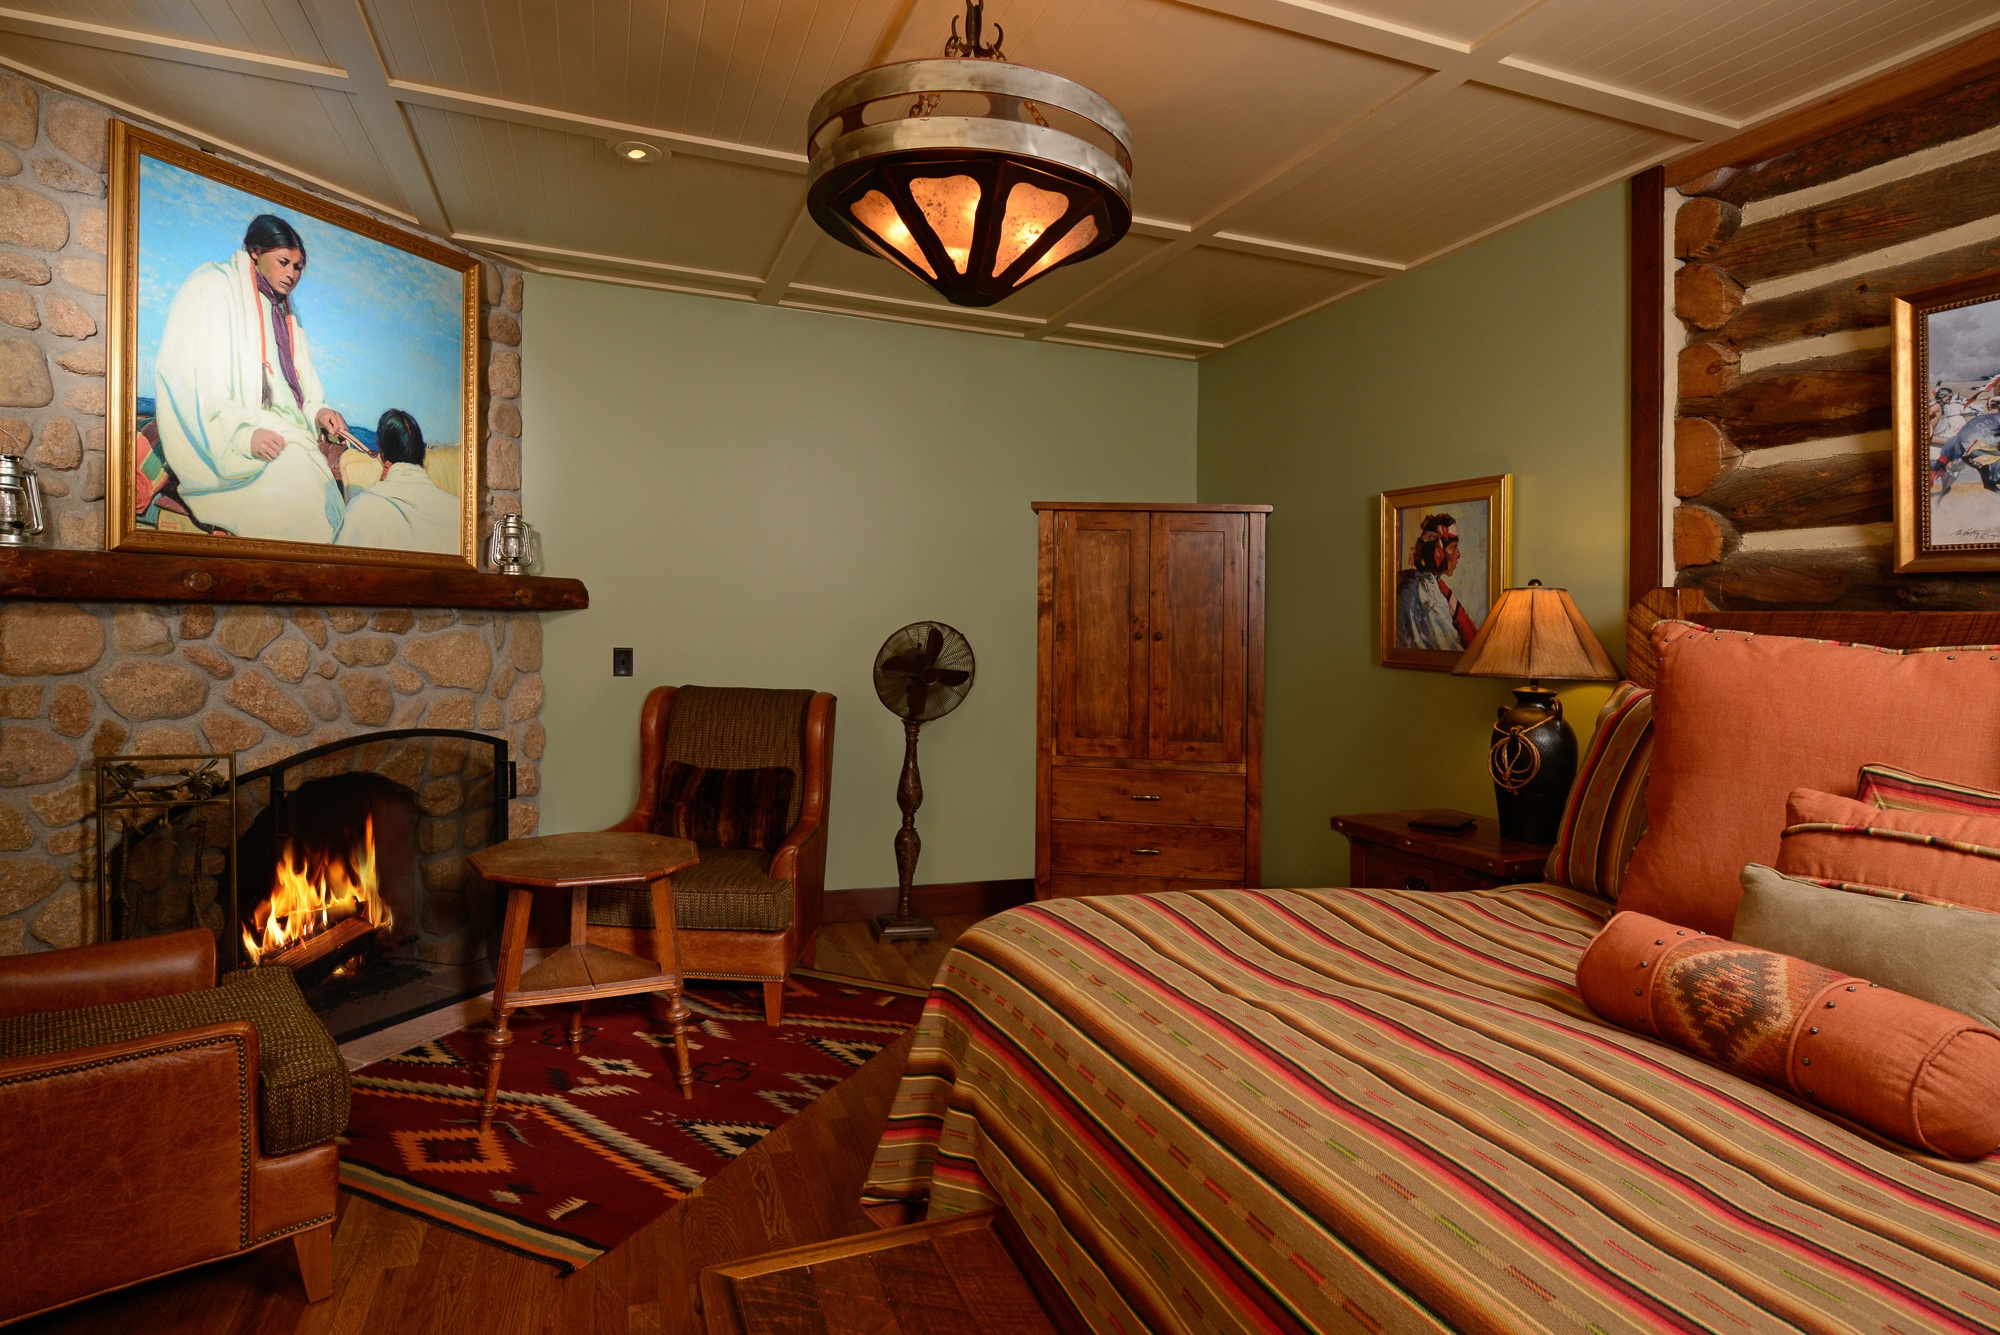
{"x": 586, "y": 1150}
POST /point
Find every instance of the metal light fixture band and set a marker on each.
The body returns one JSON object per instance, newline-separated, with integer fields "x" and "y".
{"x": 958, "y": 75}
{"x": 1038, "y": 143}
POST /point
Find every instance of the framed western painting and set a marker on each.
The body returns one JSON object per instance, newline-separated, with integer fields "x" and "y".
{"x": 289, "y": 379}
{"x": 1446, "y": 553}
{"x": 1947, "y": 425}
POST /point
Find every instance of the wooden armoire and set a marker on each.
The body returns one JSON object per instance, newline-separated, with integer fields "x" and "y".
{"x": 1150, "y": 694}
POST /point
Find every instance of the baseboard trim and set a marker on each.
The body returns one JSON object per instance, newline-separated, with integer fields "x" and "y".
{"x": 939, "y": 897}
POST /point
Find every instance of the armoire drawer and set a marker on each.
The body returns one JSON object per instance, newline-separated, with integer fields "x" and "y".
{"x": 1118, "y": 849}
{"x": 1068, "y": 885}
{"x": 1145, "y": 796}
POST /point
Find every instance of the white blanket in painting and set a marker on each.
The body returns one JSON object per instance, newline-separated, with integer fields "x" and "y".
{"x": 405, "y": 511}
{"x": 209, "y": 380}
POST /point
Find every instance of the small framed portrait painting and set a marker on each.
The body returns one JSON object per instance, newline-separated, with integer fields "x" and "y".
{"x": 289, "y": 379}
{"x": 1947, "y": 425}
{"x": 1446, "y": 553}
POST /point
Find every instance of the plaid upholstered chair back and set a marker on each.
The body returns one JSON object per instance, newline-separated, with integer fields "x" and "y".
{"x": 739, "y": 727}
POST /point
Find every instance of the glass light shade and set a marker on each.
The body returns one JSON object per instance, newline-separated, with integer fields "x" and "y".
{"x": 973, "y": 175}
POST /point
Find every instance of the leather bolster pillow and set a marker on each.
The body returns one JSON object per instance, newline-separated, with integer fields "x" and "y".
{"x": 1911, "y": 1070}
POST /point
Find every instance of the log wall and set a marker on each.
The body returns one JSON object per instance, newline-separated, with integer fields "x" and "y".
{"x": 1781, "y": 441}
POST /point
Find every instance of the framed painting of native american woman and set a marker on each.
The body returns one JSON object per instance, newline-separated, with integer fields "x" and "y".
{"x": 289, "y": 379}
{"x": 1445, "y": 556}
{"x": 1947, "y": 425}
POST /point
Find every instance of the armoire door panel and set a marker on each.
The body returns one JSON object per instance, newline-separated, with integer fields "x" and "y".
{"x": 1199, "y": 593}
{"x": 1102, "y": 579}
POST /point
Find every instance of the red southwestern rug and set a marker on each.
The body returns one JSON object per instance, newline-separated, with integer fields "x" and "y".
{"x": 587, "y": 1150}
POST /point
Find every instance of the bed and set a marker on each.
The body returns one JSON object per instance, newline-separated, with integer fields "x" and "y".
{"x": 1322, "y": 1110}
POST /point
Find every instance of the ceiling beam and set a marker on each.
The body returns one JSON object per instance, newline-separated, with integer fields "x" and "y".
{"x": 343, "y": 26}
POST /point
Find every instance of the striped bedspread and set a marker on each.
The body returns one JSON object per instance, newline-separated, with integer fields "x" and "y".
{"x": 1385, "y": 1110}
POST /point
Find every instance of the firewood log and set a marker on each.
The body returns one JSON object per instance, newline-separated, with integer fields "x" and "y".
{"x": 303, "y": 952}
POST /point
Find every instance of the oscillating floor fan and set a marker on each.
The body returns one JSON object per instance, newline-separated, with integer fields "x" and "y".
{"x": 922, "y": 672}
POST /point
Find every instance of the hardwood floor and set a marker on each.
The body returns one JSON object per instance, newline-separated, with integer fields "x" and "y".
{"x": 395, "y": 1273}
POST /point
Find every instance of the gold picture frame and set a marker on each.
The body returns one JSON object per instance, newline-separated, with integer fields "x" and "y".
{"x": 412, "y": 336}
{"x": 1415, "y": 615}
{"x": 1946, "y": 416}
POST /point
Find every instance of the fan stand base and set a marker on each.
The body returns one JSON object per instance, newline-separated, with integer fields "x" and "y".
{"x": 916, "y": 927}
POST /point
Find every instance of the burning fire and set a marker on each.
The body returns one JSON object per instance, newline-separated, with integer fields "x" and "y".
{"x": 315, "y": 892}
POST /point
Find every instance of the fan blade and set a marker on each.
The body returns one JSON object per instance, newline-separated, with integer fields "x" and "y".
{"x": 908, "y": 664}
{"x": 915, "y": 700}
{"x": 951, "y": 677}
{"x": 933, "y": 646}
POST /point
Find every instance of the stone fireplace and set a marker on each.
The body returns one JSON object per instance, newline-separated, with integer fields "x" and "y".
{"x": 81, "y": 679}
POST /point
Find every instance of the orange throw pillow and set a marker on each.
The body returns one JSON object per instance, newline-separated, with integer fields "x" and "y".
{"x": 1915, "y": 1072}
{"x": 1935, "y": 855}
{"x": 1741, "y": 720}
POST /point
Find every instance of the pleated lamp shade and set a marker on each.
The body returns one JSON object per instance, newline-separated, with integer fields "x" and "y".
{"x": 1536, "y": 633}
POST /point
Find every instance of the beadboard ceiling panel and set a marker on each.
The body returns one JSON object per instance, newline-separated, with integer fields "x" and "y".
{"x": 1477, "y": 159}
{"x": 1288, "y": 152}
{"x": 1215, "y": 297}
{"x": 526, "y": 184}
{"x": 315, "y": 132}
{"x": 1736, "y": 57}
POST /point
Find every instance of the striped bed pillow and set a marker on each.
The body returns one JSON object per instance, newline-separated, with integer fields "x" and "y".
{"x": 1899, "y": 790}
{"x": 1606, "y": 812}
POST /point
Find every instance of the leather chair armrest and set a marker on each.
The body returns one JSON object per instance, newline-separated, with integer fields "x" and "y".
{"x": 124, "y": 1160}
{"x": 633, "y": 824}
{"x": 151, "y": 966}
{"x": 785, "y": 862}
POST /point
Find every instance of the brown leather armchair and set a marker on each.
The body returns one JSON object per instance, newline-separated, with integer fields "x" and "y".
{"x": 151, "y": 1120}
{"x": 741, "y": 913}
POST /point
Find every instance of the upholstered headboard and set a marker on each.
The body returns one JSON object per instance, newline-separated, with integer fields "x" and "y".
{"x": 1894, "y": 630}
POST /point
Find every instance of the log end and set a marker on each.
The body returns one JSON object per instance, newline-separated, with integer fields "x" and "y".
{"x": 1703, "y": 224}
{"x": 1705, "y": 297}
{"x": 1706, "y": 369}
{"x": 1701, "y": 536}
{"x": 1702, "y": 453}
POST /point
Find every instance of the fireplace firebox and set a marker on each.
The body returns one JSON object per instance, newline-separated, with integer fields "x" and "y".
{"x": 352, "y": 871}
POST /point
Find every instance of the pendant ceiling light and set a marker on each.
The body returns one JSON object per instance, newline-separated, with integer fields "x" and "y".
{"x": 975, "y": 175}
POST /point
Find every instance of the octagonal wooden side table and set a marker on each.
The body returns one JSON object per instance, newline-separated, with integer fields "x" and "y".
{"x": 579, "y": 971}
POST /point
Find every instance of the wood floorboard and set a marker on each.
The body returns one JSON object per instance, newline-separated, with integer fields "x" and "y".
{"x": 394, "y": 1272}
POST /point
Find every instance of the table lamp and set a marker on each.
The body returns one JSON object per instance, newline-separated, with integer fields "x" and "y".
{"x": 1534, "y": 633}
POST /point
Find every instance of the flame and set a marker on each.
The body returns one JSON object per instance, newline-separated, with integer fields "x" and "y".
{"x": 313, "y": 891}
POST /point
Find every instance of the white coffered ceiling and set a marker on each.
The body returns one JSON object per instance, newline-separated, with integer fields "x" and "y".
{"x": 1289, "y": 152}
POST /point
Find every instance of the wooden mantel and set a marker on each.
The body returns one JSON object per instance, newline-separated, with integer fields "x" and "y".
{"x": 128, "y": 577}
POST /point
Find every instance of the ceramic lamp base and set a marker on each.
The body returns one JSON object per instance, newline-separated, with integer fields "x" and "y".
{"x": 1533, "y": 762}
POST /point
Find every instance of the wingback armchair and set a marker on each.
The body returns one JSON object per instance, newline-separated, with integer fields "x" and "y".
{"x": 742, "y": 913}
{"x": 151, "y": 1120}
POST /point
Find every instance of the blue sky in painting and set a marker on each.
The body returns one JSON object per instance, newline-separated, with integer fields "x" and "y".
{"x": 384, "y": 325}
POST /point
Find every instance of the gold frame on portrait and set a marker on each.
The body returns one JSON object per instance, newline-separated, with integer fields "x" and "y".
{"x": 1498, "y": 492}
{"x": 121, "y": 532}
{"x": 1909, "y": 394}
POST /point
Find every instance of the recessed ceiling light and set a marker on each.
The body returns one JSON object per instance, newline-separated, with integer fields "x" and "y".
{"x": 634, "y": 150}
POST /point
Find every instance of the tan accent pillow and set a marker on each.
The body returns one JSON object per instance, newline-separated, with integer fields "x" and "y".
{"x": 1946, "y": 955}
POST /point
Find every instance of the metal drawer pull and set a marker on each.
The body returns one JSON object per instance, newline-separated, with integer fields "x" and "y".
{"x": 1149, "y": 852}
{"x": 1145, "y": 797}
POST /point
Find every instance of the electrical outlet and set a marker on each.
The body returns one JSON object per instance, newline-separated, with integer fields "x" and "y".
{"x": 621, "y": 662}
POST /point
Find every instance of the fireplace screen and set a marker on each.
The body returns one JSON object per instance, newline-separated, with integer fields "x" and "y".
{"x": 346, "y": 863}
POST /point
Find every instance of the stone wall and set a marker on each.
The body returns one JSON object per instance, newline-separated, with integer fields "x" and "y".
{"x": 78, "y": 681}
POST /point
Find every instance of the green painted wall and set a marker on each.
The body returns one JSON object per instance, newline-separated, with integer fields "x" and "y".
{"x": 757, "y": 497}
{"x": 1507, "y": 357}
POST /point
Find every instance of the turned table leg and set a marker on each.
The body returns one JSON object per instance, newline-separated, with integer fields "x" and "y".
{"x": 513, "y": 942}
{"x": 667, "y": 952}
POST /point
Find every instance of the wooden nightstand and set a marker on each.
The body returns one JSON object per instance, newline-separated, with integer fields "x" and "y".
{"x": 1387, "y": 854}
